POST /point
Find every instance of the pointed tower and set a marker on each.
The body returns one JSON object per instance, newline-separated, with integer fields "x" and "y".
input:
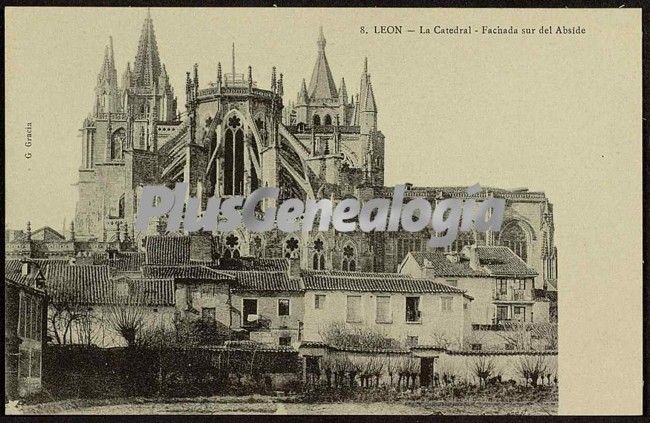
{"x": 322, "y": 84}
{"x": 107, "y": 99}
{"x": 303, "y": 97}
{"x": 366, "y": 106}
{"x": 148, "y": 83}
{"x": 343, "y": 92}
{"x": 320, "y": 103}
{"x": 147, "y": 65}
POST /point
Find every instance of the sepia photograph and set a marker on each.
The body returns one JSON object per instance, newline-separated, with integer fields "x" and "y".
{"x": 323, "y": 211}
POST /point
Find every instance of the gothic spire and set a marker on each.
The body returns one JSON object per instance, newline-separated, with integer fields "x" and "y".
{"x": 303, "y": 97}
{"x": 366, "y": 95}
{"x": 322, "y": 84}
{"x": 147, "y": 66}
{"x": 343, "y": 92}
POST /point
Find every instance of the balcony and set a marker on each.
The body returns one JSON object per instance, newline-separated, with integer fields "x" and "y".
{"x": 514, "y": 295}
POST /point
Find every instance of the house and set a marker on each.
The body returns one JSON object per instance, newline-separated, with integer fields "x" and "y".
{"x": 88, "y": 306}
{"x": 500, "y": 282}
{"x": 25, "y": 305}
{"x": 199, "y": 291}
{"x": 415, "y": 311}
{"x": 269, "y": 305}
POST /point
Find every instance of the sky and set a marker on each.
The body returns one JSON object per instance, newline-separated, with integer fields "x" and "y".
{"x": 553, "y": 113}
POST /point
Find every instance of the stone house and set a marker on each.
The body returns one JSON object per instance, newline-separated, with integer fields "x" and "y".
{"x": 501, "y": 283}
{"x": 414, "y": 311}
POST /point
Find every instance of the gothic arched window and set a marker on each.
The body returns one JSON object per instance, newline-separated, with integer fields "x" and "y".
{"x": 318, "y": 255}
{"x": 117, "y": 142}
{"x": 327, "y": 120}
{"x": 349, "y": 258}
{"x": 514, "y": 237}
{"x": 316, "y": 120}
{"x": 234, "y": 158}
{"x": 292, "y": 248}
{"x": 232, "y": 247}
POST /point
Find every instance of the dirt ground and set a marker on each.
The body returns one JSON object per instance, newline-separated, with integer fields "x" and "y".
{"x": 274, "y": 405}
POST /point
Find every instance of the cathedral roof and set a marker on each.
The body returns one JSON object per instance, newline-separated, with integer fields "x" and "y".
{"x": 147, "y": 67}
{"x": 322, "y": 84}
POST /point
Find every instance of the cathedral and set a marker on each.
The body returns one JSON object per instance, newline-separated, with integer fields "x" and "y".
{"x": 234, "y": 134}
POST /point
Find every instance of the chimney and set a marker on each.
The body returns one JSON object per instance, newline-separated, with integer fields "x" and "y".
{"x": 472, "y": 254}
{"x": 294, "y": 267}
{"x": 26, "y": 268}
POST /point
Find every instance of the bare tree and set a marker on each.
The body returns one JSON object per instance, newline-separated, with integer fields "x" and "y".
{"x": 531, "y": 368}
{"x": 547, "y": 332}
{"x": 483, "y": 368}
{"x": 516, "y": 334}
{"x": 128, "y": 321}
{"x": 61, "y": 316}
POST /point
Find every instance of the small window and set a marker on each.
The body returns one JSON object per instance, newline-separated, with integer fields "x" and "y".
{"x": 283, "y": 307}
{"x": 207, "y": 290}
{"x": 476, "y": 347}
{"x": 354, "y": 309}
{"x": 208, "y": 314}
{"x": 503, "y": 286}
{"x": 411, "y": 341}
{"x": 447, "y": 304}
{"x": 412, "y": 309}
{"x": 123, "y": 289}
{"x": 383, "y": 310}
{"x": 285, "y": 340}
{"x": 319, "y": 301}
{"x": 522, "y": 284}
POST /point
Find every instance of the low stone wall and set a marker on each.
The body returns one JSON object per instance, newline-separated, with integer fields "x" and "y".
{"x": 448, "y": 365}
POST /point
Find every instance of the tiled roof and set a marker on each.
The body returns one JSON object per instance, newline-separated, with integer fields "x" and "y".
{"x": 13, "y": 271}
{"x": 124, "y": 261}
{"x": 168, "y": 250}
{"x": 383, "y": 283}
{"x": 250, "y": 346}
{"x": 68, "y": 273}
{"x": 103, "y": 291}
{"x": 501, "y": 260}
{"x": 250, "y": 263}
{"x": 493, "y": 261}
{"x": 442, "y": 266}
{"x": 264, "y": 281}
{"x": 356, "y": 274}
{"x": 190, "y": 272}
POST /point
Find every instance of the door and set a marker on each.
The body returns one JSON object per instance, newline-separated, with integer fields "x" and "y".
{"x": 426, "y": 371}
